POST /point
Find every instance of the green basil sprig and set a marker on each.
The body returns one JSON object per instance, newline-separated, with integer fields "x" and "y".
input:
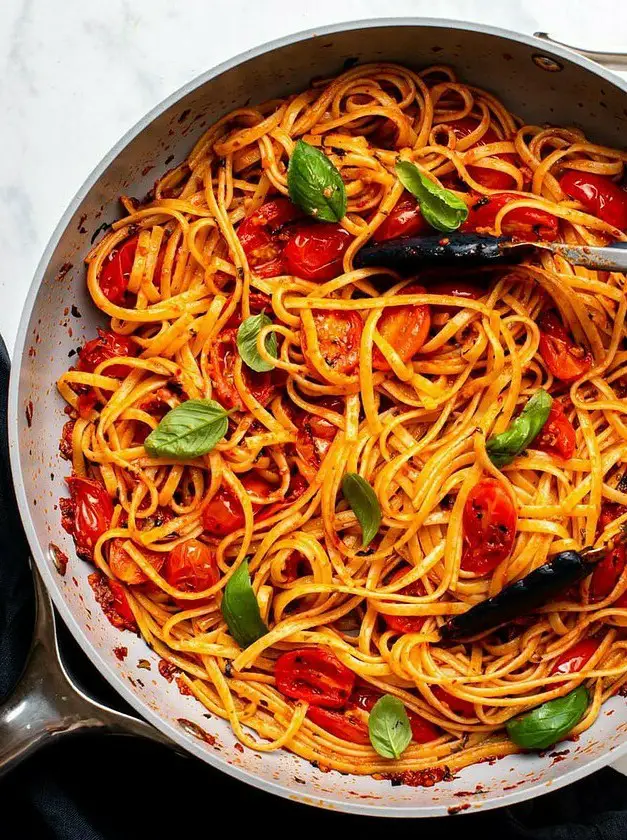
{"x": 522, "y": 431}
{"x": 315, "y": 184}
{"x": 549, "y": 723}
{"x": 441, "y": 208}
{"x": 247, "y": 342}
{"x": 240, "y": 609}
{"x": 388, "y": 727}
{"x": 364, "y": 504}
{"x": 191, "y": 429}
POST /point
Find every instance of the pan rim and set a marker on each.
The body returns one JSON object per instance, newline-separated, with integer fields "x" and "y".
{"x": 96, "y": 657}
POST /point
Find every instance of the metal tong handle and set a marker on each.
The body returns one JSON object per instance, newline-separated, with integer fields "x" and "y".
{"x": 611, "y": 60}
{"x": 46, "y": 705}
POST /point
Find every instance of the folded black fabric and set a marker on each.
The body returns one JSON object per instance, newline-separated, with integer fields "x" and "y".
{"x": 97, "y": 788}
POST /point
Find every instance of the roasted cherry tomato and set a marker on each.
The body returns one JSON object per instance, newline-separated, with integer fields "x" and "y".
{"x": 557, "y": 437}
{"x": 87, "y": 514}
{"x": 314, "y": 434}
{"x": 566, "y": 360}
{"x": 455, "y": 288}
{"x": 489, "y": 523}
{"x": 490, "y": 178}
{"x": 404, "y": 220}
{"x": 522, "y": 223}
{"x": 315, "y": 675}
{"x": 607, "y": 572}
{"x": 125, "y": 568}
{"x": 107, "y": 346}
{"x": 345, "y": 725}
{"x": 405, "y": 327}
{"x": 191, "y": 567}
{"x": 263, "y": 237}
{"x": 257, "y": 301}
{"x": 365, "y": 696}
{"x": 599, "y": 195}
{"x": 224, "y": 513}
{"x": 455, "y": 704}
{"x": 86, "y": 401}
{"x": 573, "y": 659}
{"x": 406, "y": 623}
{"x": 339, "y": 334}
{"x": 315, "y": 252}
{"x": 116, "y": 270}
{"x": 222, "y": 356}
{"x": 121, "y": 604}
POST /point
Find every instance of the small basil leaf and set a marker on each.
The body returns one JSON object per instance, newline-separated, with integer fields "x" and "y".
{"x": 522, "y": 431}
{"x": 191, "y": 429}
{"x": 550, "y": 722}
{"x": 247, "y": 342}
{"x": 241, "y": 610}
{"x": 315, "y": 184}
{"x": 388, "y": 727}
{"x": 364, "y": 504}
{"x": 441, "y": 208}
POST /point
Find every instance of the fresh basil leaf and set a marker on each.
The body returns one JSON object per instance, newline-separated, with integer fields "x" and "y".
{"x": 549, "y": 723}
{"x": 364, "y": 504}
{"x": 247, "y": 342}
{"x": 191, "y": 429}
{"x": 241, "y": 610}
{"x": 522, "y": 431}
{"x": 441, "y": 208}
{"x": 388, "y": 727}
{"x": 315, "y": 184}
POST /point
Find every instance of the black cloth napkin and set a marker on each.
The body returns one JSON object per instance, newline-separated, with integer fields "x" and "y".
{"x": 111, "y": 788}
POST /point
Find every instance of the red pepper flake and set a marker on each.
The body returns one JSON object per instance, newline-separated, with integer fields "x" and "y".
{"x": 144, "y": 663}
{"x": 420, "y": 778}
{"x": 184, "y": 689}
{"x": 239, "y": 747}
{"x": 197, "y": 731}
{"x": 59, "y": 558}
{"x": 167, "y": 669}
{"x": 29, "y": 413}
{"x": 147, "y": 169}
{"x": 63, "y": 270}
{"x": 121, "y": 653}
{"x": 457, "y": 809}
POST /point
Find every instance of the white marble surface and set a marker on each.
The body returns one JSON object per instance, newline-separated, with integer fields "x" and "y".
{"x": 76, "y": 74}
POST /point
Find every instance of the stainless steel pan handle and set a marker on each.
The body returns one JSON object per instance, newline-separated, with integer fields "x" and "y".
{"x": 46, "y": 705}
{"x": 610, "y": 60}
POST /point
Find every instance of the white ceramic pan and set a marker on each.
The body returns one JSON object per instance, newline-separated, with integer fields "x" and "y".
{"x": 541, "y": 83}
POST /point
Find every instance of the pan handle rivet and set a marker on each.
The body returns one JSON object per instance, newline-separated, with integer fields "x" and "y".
{"x": 545, "y": 62}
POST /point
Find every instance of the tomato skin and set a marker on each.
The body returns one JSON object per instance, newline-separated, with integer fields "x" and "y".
{"x": 404, "y": 220}
{"x": 222, "y": 357}
{"x": 89, "y": 513}
{"x": 522, "y": 223}
{"x": 341, "y": 724}
{"x": 599, "y": 195}
{"x": 125, "y": 568}
{"x": 339, "y": 334}
{"x": 405, "y": 327}
{"x": 315, "y": 252}
{"x": 315, "y": 675}
{"x": 224, "y": 513}
{"x": 116, "y": 270}
{"x": 607, "y": 572}
{"x": 263, "y": 237}
{"x": 314, "y": 434}
{"x": 489, "y": 523}
{"x": 107, "y": 346}
{"x": 573, "y": 659}
{"x": 557, "y": 437}
{"x": 455, "y": 704}
{"x": 406, "y": 623}
{"x": 121, "y": 605}
{"x": 566, "y": 360}
{"x": 191, "y": 567}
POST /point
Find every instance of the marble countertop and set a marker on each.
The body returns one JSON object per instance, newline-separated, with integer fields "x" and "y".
{"x": 76, "y": 75}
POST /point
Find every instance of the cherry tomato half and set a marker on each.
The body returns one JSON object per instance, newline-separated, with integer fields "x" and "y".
{"x": 121, "y": 605}
{"x": 224, "y": 513}
{"x": 557, "y": 437}
{"x": 315, "y": 675}
{"x": 523, "y": 223}
{"x": 365, "y": 696}
{"x": 566, "y": 360}
{"x": 339, "y": 334}
{"x": 116, "y": 270}
{"x": 107, "y": 346}
{"x": 489, "y": 522}
{"x": 405, "y": 327}
{"x": 315, "y": 252}
{"x": 607, "y": 572}
{"x": 406, "y": 623}
{"x": 599, "y": 195}
{"x": 345, "y": 725}
{"x": 191, "y": 567}
{"x": 456, "y": 288}
{"x": 222, "y": 356}
{"x": 315, "y": 434}
{"x": 125, "y": 568}
{"x": 263, "y": 237}
{"x": 573, "y": 659}
{"x": 404, "y": 220}
{"x": 490, "y": 178}
{"x": 455, "y": 704}
{"x": 87, "y": 515}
